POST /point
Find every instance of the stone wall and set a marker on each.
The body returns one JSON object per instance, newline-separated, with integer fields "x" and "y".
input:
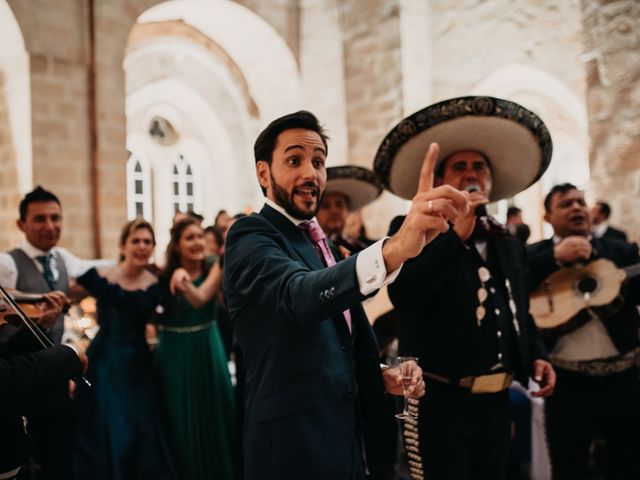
{"x": 9, "y": 193}
{"x": 56, "y": 39}
{"x": 612, "y": 48}
{"x": 368, "y": 73}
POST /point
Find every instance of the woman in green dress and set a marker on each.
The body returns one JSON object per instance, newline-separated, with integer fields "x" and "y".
{"x": 192, "y": 363}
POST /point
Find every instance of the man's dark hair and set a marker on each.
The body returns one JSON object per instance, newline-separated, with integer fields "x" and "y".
{"x": 439, "y": 173}
{"x": 38, "y": 194}
{"x": 266, "y": 141}
{"x": 605, "y": 209}
{"x": 562, "y": 189}
{"x": 513, "y": 211}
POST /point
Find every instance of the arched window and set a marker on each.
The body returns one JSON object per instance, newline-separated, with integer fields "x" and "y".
{"x": 183, "y": 186}
{"x": 138, "y": 189}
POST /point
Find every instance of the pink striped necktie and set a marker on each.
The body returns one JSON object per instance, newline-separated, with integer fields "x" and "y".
{"x": 321, "y": 246}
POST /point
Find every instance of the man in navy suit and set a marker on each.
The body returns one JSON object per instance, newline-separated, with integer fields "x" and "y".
{"x": 314, "y": 389}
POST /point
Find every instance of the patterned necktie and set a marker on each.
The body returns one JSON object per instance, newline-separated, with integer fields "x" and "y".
{"x": 321, "y": 246}
{"x": 47, "y": 273}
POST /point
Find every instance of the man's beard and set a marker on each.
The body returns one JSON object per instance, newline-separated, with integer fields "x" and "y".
{"x": 285, "y": 200}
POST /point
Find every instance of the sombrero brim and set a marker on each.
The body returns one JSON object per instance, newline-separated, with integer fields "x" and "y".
{"x": 358, "y": 184}
{"x": 515, "y": 140}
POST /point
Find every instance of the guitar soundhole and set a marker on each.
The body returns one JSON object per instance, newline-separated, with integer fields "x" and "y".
{"x": 587, "y": 286}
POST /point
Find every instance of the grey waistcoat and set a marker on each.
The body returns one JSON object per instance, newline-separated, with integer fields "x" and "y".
{"x": 30, "y": 280}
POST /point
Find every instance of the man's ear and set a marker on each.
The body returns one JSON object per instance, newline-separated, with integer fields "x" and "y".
{"x": 20, "y": 225}
{"x": 547, "y": 217}
{"x": 263, "y": 172}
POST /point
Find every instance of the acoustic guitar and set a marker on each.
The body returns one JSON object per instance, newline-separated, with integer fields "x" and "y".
{"x": 570, "y": 297}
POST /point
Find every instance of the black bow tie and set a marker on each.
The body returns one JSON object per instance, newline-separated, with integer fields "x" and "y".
{"x": 488, "y": 227}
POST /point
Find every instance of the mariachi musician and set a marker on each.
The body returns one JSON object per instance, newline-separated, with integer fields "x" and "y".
{"x": 349, "y": 188}
{"x": 463, "y": 302}
{"x": 598, "y": 388}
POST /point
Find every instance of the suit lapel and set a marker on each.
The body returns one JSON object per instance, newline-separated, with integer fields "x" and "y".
{"x": 303, "y": 247}
{"x": 296, "y": 237}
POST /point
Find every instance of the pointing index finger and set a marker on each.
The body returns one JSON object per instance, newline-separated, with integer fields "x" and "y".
{"x": 428, "y": 166}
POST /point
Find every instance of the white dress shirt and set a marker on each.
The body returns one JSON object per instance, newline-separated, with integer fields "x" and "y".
{"x": 600, "y": 229}
{"x": 370, "y": 270}
{"x": 75, "y": 266}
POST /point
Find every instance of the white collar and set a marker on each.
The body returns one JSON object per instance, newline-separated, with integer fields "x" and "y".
{"x": 600, "y": 229}
{"x": 279, "y": 209}
{"x": 31, "y": 251}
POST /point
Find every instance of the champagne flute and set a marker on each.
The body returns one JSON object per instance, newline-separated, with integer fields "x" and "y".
{"x": 406, "y": 381}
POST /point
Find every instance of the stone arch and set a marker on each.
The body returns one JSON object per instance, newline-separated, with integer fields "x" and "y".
{"x": 16, "y": 174}
{"x": 196, "y": 66}
{"x": 220, "y": 167}
{"x": 271, "y": 72}
{"x": 565, "y": 115}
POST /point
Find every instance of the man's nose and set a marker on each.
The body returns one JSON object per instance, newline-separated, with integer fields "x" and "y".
{"x": 309, "y": 172}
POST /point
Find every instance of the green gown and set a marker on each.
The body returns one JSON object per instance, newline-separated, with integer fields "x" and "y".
{"x": 197, "y": 390}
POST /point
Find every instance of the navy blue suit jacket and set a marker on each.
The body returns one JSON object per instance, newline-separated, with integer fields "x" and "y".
{"x": 313, "y": 391}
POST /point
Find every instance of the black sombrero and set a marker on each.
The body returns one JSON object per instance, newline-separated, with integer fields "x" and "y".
{"x": 515, "y": 140}
{"x": 358, "y": 184}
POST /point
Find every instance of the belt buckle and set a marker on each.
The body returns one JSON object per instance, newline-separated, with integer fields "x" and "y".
{"x": 493, "y": 383}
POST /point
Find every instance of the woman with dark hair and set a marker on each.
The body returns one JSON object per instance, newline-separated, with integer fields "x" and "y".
{"x": 119, "y": 435}
{"x": 192, "y": 362}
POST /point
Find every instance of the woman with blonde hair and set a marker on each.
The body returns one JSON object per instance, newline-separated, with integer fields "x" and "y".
{"x": 119, "y": 433}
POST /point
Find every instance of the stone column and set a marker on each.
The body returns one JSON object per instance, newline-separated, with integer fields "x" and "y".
{"x": 612, "y": 55}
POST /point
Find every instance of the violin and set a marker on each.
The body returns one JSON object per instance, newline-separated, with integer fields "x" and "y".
{"x": 30, "y": 305}
{"x": 32, "y": 302}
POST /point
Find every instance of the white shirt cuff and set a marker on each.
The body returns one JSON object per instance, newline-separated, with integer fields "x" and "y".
{"x": 370, "y": 270}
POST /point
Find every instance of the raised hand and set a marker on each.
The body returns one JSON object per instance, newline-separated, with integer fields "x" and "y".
{"x": 466, "y": 223}
{"x": 431, "y": 210}
{"x": 180, "y": 281}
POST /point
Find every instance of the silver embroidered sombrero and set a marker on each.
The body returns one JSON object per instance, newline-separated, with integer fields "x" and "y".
{"x": 515, "y": 140}
{"x": 358, "y": 184}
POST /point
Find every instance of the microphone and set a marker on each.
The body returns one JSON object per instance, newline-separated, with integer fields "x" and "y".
{"x": 481, "y": 210}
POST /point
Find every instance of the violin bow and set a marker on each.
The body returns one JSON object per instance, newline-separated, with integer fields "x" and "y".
{"x": 44, "y": 340}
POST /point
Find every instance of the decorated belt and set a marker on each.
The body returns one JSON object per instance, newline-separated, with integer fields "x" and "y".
{"x": 490, "y": 383}
{"x": 600, "y": 367}
{"x": 189, "y": 329}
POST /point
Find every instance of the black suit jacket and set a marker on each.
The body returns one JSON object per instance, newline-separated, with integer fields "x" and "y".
{"x": 436, "y": 295}
{"x": 614, "y": 233}
{"x": 312, "y": 389}
{"x": 27, "y": 378}
{"x": 621, "y": 326}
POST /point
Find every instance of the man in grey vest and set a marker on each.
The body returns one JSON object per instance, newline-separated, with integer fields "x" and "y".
{"x": 39, "y": 266}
